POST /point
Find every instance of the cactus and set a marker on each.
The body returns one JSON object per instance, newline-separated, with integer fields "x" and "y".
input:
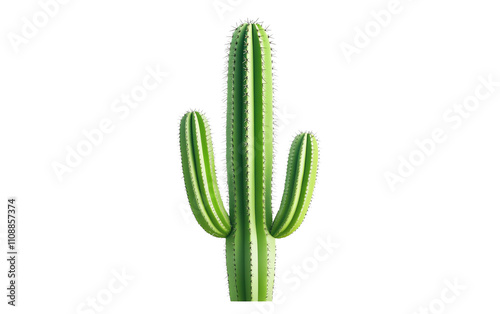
{"x": 249, "y": 228}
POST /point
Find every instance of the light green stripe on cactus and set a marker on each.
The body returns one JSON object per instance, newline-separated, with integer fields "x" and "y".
{"x": 249, "y": 230}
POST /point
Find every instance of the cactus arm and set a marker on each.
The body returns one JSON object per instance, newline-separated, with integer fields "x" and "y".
{"x": 207, "y": 172}
{"x": 199, "y": 175}
{"x": 299, "y": 185}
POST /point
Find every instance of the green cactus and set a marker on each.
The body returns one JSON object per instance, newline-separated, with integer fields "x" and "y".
{"x": 249, "y": 228}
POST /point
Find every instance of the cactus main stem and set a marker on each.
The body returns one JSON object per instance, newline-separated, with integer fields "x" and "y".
{"x": 250, "y": 249}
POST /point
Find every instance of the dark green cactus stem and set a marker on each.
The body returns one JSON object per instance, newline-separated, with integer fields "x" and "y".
{"x": 249, "y": 228}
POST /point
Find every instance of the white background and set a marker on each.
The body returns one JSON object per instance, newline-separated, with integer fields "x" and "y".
{"x": 124, "y": 205}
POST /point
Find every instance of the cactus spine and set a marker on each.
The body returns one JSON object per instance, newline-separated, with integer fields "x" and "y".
{"x": 249, "y": 228}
